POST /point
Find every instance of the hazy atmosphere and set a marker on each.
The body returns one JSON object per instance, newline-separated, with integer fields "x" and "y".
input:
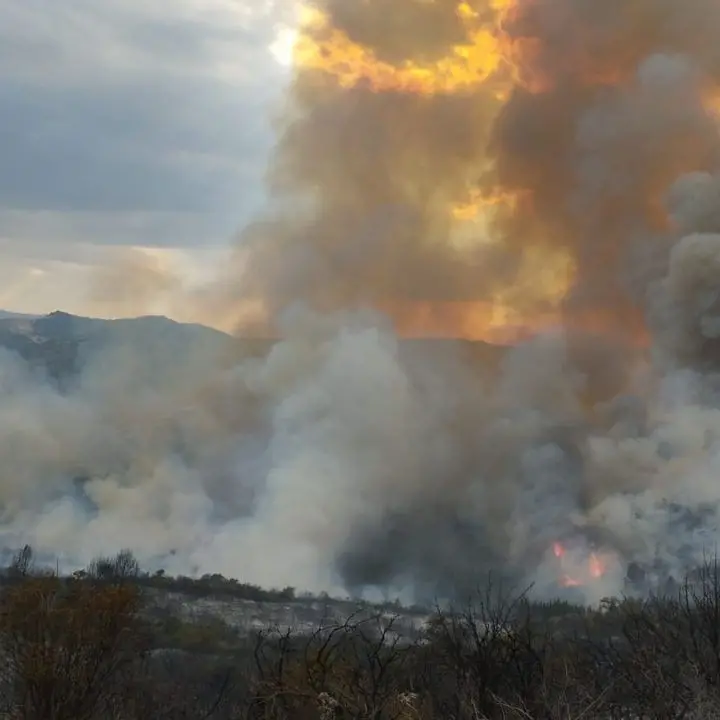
{"x": 461, "y": 262}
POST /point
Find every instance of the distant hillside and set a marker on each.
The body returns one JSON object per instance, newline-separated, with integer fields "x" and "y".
{"x": 63, "y": 345}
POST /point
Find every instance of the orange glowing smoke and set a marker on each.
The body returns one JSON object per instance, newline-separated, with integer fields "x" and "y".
{"x": 329, "y": 50}
{"x": 596, "y": 567}
{"x": 478, "y": 204}
{"x": 482, "y": 58}
{"x": 499, "y": 324}
{"x": 468, "y": 199}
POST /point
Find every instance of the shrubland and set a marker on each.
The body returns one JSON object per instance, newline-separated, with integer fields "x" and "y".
{"x": 96, "y": 645}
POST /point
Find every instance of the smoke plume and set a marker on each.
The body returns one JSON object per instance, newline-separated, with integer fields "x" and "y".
{"x": 541, "y": 171}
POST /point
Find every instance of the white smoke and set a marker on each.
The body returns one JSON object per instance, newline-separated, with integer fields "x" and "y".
{"x": 346, "y": 459}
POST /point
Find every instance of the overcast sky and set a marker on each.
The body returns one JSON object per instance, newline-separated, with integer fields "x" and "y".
{"x": 129, "y": 123}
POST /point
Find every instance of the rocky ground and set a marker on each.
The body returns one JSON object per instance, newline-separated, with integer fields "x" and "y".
{"x": 304, "y": 615}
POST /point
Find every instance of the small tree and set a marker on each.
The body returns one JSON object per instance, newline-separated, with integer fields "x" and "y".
{"x": 122, "y": 567}
{"x": 22, "y": 562}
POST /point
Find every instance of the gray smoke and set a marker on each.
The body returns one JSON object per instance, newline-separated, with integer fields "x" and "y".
{"x": 347, "y": 460}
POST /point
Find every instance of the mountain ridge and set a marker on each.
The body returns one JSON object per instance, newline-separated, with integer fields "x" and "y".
{"x": 61, "y": 343}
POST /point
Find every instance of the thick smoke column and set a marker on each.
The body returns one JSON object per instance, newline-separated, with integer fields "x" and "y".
{"x": 538, "y": 169}
{"x": 561, "y": 124}
{"x": 484, "y": 163}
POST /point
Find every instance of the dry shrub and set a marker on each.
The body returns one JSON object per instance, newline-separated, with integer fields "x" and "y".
{"x": 65, "y": 646}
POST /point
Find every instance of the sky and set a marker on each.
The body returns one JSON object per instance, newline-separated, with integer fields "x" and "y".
{"x": 130, "y": 130}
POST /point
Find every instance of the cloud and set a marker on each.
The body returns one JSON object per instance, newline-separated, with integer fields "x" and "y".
{"x": 80, "y": 41}
{"x": 130, "y": 123}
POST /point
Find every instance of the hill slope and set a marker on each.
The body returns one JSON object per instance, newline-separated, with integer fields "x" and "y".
{"x": 62, "y": 345}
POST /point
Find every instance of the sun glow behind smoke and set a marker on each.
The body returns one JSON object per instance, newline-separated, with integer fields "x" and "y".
{"x": 283, "y": 46}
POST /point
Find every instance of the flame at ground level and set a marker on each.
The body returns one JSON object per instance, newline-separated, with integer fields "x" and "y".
{"x": 576, "y": 572}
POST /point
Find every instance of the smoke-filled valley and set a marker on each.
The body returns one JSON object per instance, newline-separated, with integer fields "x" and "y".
{"x": 491, "y": 271}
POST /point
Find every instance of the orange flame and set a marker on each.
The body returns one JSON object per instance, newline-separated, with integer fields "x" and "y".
{"x": 596, "y": 568}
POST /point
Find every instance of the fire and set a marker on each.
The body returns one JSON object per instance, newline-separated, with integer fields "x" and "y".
{"x": 594, "y": 567}
{"x": 597, "y": 566}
